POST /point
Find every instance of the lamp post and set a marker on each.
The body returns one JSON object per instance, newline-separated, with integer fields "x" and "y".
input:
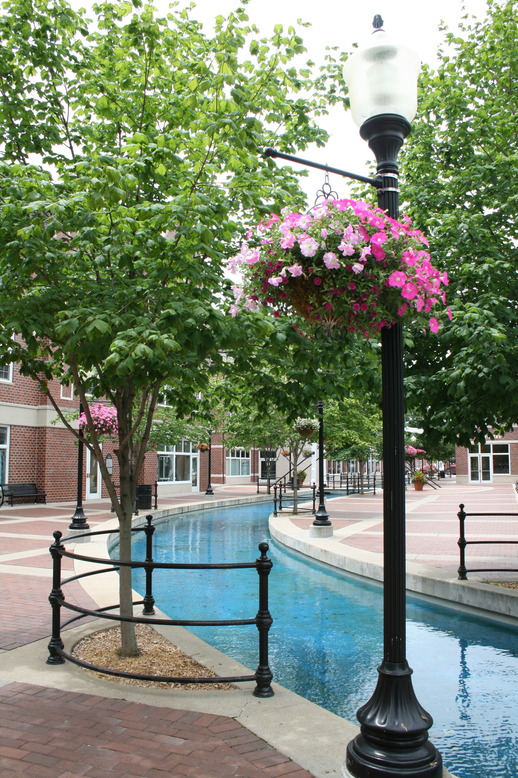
{"x": 79, "y": 521}
{"x": 382, "y": 80}
{"x": 209, "y": 490}
{"x": 321, "y": 526}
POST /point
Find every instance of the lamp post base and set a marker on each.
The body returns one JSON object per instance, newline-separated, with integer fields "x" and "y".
{"x": 393, "y": 742}
{"x": 79, "y": 521}
{"x": 320, "y": 530}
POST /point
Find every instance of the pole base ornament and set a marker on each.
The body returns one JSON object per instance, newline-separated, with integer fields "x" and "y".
{"x": 394, "y": 731}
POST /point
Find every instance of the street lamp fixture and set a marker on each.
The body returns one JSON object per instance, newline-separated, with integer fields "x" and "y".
{"x": 382, "y": 81}
{"x": 393, "y": 742}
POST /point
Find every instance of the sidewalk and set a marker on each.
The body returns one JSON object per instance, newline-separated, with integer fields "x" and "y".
{"x": 57, "y": 721}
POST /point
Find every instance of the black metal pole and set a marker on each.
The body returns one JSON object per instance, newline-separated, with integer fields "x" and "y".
{"x": 56, "y": 597}
{"x": 462, "y": 544}
{"x": 149, "y": 600}
{"x": 394, "y": 727}
{"x": 263, "y": 674}
{"x": 321, "y": 516}
{"x": 209, "y": 489}
{"x": 79, "y": 521}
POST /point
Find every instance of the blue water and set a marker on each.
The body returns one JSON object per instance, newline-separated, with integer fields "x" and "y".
{"x": 326, "y": 639}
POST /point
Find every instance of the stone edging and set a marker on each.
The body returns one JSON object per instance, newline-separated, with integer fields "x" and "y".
{"x": 489, "y": 601}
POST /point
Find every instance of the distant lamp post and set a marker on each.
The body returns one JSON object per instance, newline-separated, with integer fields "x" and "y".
{"x": 209, "y": 490}
{"x": 382, "y": 80}
{"x": 321, "y": 526}
{"x": 79, "y": 521}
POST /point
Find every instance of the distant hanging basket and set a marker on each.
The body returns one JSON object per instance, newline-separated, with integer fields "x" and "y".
{"x": 202, "y": 446}
{"x": 104, "y": 420}
{"x": 305, "y": 427}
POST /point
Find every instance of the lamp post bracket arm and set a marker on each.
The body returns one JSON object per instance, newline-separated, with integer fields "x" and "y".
{"x": 274, "y": 154}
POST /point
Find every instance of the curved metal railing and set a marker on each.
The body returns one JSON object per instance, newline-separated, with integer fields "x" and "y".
{"x": 58, "y": 655}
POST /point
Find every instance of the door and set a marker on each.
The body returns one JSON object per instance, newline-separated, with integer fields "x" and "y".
{"x": 194, "y": 472}
{"x": 479, "y": 468}
{"x": 93, "y": 477}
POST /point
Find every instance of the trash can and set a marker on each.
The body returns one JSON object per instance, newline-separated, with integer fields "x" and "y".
{"x": 144, "y": 495}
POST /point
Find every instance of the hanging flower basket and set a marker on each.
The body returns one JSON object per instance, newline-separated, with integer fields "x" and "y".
{"x": 305, "y": 427}
{"x": 344, "y": 264}
{"x": 104, "y": 418}
{"x": 202, "y": 446}
{"x": 411, "y": 452}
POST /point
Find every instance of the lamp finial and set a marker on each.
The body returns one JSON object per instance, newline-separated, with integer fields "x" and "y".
{"x": 378, "y": 22}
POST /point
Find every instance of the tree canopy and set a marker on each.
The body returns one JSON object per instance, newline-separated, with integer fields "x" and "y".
{"x": 460, "y": 183}
{"x": 131, "y": 159}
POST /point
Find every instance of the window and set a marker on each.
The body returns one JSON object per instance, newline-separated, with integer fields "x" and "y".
{"x": 500, "y": 458}
{"x": 164, "y": 397}
{"x": 268, "y": 464}
{"x": 487, "y": 460}
{"x": 4, "y": 454}
{"x": 67, "y": 391}
{"x": 175, "y": 462}
{"x": 6, "y": 373}
{"x": 238, "y": 462}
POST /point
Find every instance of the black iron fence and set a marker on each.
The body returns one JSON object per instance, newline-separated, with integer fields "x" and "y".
{"x": 462, "y": 543}
{"x": 57, "y": 654}
{"x": 352, "y": 483}
{"x": 281, "y": 500}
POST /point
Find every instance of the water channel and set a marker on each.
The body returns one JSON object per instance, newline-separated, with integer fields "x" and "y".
{"x": 326, "y": 639}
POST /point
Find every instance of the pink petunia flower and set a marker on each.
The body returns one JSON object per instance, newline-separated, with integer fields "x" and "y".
{"x": 331, "y": 261}
{"x": 397, "y": 278}
{"x": 308, "y": 246}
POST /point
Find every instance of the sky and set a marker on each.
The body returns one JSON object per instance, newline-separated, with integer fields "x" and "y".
{"x": 342, "y": 23}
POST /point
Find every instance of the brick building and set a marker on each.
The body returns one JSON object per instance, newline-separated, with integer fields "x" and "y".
{"x": 36, "y": 447}
{"x": 495, "y": 461}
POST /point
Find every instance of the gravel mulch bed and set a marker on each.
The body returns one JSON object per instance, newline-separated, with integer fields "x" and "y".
{"x": 157, "y": 657}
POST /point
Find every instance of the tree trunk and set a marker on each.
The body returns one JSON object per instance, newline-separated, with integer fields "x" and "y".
{"x": 128, "y": 637}
{"x": 295, "y": 450}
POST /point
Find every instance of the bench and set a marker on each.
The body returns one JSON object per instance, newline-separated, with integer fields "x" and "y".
{"x": 11, "y": 492}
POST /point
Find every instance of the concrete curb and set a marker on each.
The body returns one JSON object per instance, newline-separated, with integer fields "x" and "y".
{"x": 492, "y": 603}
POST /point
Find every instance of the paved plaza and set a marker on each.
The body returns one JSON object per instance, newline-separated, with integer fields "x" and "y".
{"x": 57, "y": 721}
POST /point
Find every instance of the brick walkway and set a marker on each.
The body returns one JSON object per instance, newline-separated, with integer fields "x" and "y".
{"x": 46, "y": 731}
{"x": 50, "y": 733}
{"x": 60, "y": 734}
{"x": 432, "y": 526}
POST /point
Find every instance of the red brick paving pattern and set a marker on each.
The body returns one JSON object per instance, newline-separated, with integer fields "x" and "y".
{"x": 48, "y": 732}
{"x": 59, "y": 734}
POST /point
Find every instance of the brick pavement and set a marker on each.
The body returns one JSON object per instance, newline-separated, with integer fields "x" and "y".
{"x": 53, "y": 732}
{"x": 61, "y": 734}
{"x": 48, "y": 732}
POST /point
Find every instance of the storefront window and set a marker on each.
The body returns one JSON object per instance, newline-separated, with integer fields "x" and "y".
{"x": 177, "y": 462}
{"x": 238, "y": 462}
{"x": 501, "y": 458}
{"x": 487, "y": 460}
